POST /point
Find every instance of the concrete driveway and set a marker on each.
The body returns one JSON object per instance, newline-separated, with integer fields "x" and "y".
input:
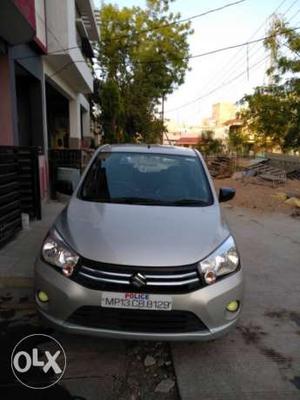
{"x": 96, "y": 368}
{"x": 261, "y": 359}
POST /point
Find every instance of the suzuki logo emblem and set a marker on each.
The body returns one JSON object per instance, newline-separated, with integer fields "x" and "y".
{"x": 138, "y": 280}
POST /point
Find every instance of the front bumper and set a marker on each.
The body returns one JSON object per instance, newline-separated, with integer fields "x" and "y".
{"x": 208, "y": 304}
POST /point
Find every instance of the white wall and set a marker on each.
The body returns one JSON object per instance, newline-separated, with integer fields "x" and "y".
{"x": 61, "y": 25}
{"x": 57, "y": 24}
{"x": 74, "y": 119}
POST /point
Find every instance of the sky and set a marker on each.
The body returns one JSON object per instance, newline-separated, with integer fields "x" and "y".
{"x": 228, "y": 75}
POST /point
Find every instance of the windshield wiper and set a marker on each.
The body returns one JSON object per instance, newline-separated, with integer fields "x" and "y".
{"x": 141, "y": 200}
{"x": 145, "y": 200}
{"x": 189, "y": 202}
{"x": 135, "y": 200}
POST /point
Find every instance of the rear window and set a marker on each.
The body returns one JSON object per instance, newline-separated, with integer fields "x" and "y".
{"x": 147, "y": 179}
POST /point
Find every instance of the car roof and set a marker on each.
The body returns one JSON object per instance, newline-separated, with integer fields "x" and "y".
{"x": 148, "y": 148}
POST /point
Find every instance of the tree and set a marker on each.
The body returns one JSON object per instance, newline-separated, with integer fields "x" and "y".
{"x": 238, "y": 140}
{"x": 143, "y": 57}
{"x": 111, "y": 108}
{"x": 208, "y": 145}
{"x": 268, "y": 116}
{"x": 273, "y": 111}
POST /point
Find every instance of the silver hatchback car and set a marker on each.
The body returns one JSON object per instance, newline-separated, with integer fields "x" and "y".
{"x": 142, "y": 251}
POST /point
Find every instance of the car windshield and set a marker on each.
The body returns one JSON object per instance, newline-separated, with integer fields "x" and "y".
{"x": 147, "y": 179}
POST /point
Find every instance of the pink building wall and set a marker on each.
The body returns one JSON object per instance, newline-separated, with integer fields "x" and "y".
{"x": 27, "y": 8}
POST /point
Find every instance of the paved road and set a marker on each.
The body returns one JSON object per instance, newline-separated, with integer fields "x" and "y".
{"x": 261, "y": 359}
{"x": 97, "y": 369}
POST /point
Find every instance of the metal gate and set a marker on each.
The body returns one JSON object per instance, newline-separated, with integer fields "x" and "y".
{"x": 29, "y": 180}
{"x": 19, "y": 188}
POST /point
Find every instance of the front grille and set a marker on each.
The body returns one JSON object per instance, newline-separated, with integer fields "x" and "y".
{"x": 109, "y": 277}
{"x": 137, "y": 320}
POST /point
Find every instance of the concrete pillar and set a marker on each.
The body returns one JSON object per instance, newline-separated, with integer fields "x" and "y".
{"x": 86, "y": 136}
{"x": 86, "y": 124}
{"x": 74, "y": 124}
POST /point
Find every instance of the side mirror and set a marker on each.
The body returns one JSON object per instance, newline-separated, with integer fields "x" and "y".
{"x": 226, "y": 194}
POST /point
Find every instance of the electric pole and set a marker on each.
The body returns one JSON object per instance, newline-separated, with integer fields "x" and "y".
{"x": 162, "y": 116}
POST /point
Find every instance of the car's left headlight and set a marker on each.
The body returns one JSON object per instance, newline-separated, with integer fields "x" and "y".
{"x": 57, "y": 253}
{"x": 224, "y": 260}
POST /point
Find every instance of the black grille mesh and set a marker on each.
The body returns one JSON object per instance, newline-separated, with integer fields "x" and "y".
{"x": 137, "y": 320}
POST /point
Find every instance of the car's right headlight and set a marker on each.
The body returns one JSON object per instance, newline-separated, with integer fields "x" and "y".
{"x": 224, "y": 260}
{"x": 57, "y": 253}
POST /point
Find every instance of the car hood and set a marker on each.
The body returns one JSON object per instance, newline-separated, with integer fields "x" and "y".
{"x": 141, "y": 235}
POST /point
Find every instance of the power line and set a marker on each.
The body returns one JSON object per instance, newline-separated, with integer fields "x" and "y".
{"x": 189, "y": 103}
{"x": 142, "y": 31}
{"x": 62, "y": 48}
{"x": 58, "y": 52}
{"x": 289, "y": 47}
{"x": 228, "y": 68}
{"x": 215, "y": 51}
{"x": 294, "y": 15}
{"x": 183, "y": 20}
{"x": 205, "y": 13}
{"x": 192, "y": 56}
{"x": 291, "y": 6}
{"x": 217, "y": 88}
{"x": 65, "y": 66}
{"x": 50, "y": 31}
{"x": 221, "y": 49}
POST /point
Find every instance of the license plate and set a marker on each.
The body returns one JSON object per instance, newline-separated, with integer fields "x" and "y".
{"x": 136, "y": 301}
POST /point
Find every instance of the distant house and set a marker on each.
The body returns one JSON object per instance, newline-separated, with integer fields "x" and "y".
{"x": 223, "y": 111}
{"x": 170, "y": 138}
{"x": 188, "y": 141}
{"x": 237, "y": 127}
{"x": 234, "y": 123}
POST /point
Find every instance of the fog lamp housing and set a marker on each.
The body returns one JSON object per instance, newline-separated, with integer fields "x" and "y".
{"x": 42, "y": 296}
{"x": 233, "y": 306}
